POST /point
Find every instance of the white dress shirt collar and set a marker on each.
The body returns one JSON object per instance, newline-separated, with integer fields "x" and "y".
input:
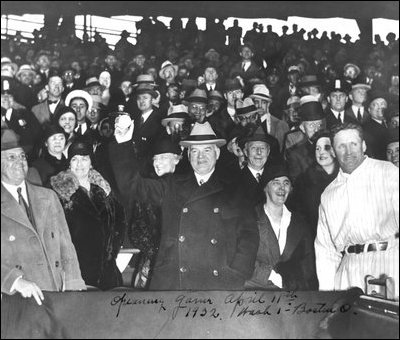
{"x": 203, "y": 178}
{"x": 12, "y": 189}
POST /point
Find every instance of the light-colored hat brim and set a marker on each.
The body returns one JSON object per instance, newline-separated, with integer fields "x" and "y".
{"x": 255, "y": 95}
{"x": 165, "y": 121}
{"x": 79, "y": 94}
{"x": 161, "y": 72}
{"x": 218, "y": 142}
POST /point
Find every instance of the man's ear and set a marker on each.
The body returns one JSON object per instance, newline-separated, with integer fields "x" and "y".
{"x": 301, "y": 127}
{"x": 364, "y": 146}
{"x": 217, "y": 151}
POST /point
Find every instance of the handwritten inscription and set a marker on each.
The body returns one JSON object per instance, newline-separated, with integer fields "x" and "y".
{"x": 123, "y": 300}
{"x": 234, "y": 305}
{"x": 194, "y": 307}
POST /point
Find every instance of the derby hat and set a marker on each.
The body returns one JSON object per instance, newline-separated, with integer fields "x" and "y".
{"x": 167, "y": 64}
{"x": 79, "y": 94}
{"x": 176, "y": 113}
{"x": 258, "y": 136}
{"x": 311, "y": 111}
{"x": 202, "y": 134}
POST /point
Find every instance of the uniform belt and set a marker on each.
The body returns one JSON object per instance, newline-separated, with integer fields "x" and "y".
{"x": 360, "y": 248}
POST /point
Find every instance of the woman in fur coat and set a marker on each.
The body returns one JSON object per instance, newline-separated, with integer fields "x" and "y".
{"x": 95, "y": 218}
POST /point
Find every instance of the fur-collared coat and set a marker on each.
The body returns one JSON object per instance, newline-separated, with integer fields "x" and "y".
{"x": 96, "y": 221}
{"x": 43, "y": 253}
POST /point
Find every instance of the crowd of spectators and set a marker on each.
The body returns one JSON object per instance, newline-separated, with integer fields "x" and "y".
{"x": 274, "y": 98}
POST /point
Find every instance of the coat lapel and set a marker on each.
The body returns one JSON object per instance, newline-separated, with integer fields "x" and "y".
{"x": 211, "y": 187}
{"x": 11, "y": 209}
{"x": 292, "y": 240}
{"x": 39, "y": 203}
{"x": 268, "y": 239}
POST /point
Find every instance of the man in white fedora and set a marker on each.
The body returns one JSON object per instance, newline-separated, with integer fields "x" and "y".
{"x": 273, "y": 126}
{"x": 208, "y": 240}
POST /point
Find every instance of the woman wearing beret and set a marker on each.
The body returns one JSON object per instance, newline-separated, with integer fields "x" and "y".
{"x": 310, "y": 185}
{"x": 285, "y": 257}
{"x": 52, "y": 159}
{"x": 95, "y": 218}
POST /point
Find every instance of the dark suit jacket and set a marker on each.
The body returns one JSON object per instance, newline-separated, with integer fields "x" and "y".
{"x": 296, "y": 265}
{"x": 331, "y": 119}
{"x": 218, "y": 87}
{"x": 254, "y": 71}
{"x": 222, "y": 124}
{"x": 207, "y": 241}
{"x": 252, "y": 190}
{"x": 352, "y": 116}
{"x": 42, "y": 111}
{"x": 375, "y": 136}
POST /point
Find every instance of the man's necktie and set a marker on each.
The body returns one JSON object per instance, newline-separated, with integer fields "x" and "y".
{"x": 24, "y": 205}
{"x": 384, "y": 123}
{"x": 244, "y": 67}
{"x": 52, "y": 101}
{"x": 201, "y": 182}
{"x": 141, "y": 120}
{"x": 79, "y": 131}
{"x": 340, "y": 118}
{"x": 359, "y": 117}
{"x": 258, "y": 177}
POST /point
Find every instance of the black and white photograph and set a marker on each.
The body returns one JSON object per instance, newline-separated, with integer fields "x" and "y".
{"x": 199, "y": 169}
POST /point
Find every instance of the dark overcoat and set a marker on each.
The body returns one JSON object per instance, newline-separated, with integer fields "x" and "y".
{"x": 296, "y": 265}
{"x": 207, "y": 241}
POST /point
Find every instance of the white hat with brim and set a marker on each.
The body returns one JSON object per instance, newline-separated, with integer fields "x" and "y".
{"x": 79, "y": 94}
{"x": 164, "y": 66}
{"x": 25, "y": 68}
{"x": 361, "y": 86}
{"x": 202, "y": 134}
{"x": 261, "y": 91}
{"x": 246, "y": 107}
{"x": 176, "y": 113}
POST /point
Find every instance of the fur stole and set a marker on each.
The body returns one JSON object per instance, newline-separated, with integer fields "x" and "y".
{"x": 65, "y": 184}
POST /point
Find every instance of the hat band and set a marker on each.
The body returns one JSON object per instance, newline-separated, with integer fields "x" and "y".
{"x": 247, "y": 109}
{"x": 197, "y": 99}
{"x": 261, "y": 95}
{"x": 199, "y": 138}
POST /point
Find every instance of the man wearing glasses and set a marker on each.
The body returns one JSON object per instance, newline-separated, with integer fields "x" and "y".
{"x": 37, "y": 253}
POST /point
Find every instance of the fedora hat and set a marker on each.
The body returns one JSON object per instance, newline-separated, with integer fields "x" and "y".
{"x": 79, "y": 94}
{"x": 257, "y": 136}
{"x": 309, "y": 80}
{"x": 216, "y": 95}
{"x": 311, "y": 110}
{"x": 146, "y": 88}
{"x": 177, "y": 113}
{"x": 198, "y": 96}
{"x": 292, "y": 102}
{"x": 246, "y": 106}
{"x": 202, "y": 134}
{"x": 25, "y": 68}
{"x": 144, "y": 79}
{"x": 164, "y": 66}
{"x": 360, "y": 83}
{"x": 10, "y": 140}
{"x": 261, "y": 91}
{"x": 232, "y": 84}
{"x": 92, "y": 81}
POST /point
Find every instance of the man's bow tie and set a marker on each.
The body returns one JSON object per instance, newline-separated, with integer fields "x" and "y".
{"x": 52, "y": 101}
